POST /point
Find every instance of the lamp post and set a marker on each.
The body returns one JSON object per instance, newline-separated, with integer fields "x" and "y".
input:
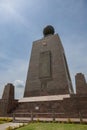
{"x": 36, "y": 108}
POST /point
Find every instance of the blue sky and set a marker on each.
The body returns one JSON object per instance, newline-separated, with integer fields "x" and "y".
{"x": 22, "y": 22}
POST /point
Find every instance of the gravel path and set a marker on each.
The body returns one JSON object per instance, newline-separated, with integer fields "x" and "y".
{"x": 5, "y": 125}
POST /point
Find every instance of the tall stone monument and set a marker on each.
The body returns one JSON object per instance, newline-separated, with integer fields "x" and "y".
{"x": 48, "y": 72}
{"x": 8, "y": 102}
{"x": 81, "y": 85}
{"x": 48, "y": 89}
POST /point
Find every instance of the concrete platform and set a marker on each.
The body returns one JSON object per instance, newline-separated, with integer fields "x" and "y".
{"x": 65, "y": 120}
{"x": 44, "y": 98}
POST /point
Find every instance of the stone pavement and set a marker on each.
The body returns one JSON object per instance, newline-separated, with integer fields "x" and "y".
{"x": 5, "y": 125}
{"x": 26, "y": 119}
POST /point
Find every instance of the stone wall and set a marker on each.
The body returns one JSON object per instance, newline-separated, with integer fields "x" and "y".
{"x": 8, "y": 103}
{"x": 75, "y": 107}
{"x": 81, "y": 85}
{"x": 48, "y": 72}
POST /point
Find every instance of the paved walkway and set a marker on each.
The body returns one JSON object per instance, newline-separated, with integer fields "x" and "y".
{"x": 5, "y": 125}
{"x": 77, "y": 120}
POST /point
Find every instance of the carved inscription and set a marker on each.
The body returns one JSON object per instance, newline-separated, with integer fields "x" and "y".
{"x": 45, "y": 65}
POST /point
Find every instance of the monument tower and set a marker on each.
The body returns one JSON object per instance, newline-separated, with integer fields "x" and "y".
{"x": 48, "y": 72}
{"x": 48, "y": 86}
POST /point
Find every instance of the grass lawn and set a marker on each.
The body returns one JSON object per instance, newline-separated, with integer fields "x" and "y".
{"x": 53, "y": 126}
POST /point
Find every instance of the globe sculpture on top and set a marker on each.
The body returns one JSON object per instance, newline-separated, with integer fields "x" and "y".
{"x": 48, "y": 30}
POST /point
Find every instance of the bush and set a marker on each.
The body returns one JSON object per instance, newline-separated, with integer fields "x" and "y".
{"x": 12, "y": 128}
{"x": 38, "y": 120}
{"x": 69, "y": 120}
{"x": 6, "y": 119}
{"x": 9, "y": 128}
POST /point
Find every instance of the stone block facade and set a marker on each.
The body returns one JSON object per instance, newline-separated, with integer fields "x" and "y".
{"x": 48, "y": 80}
{"x": 71, "y": 107}
{"x": 81, "y": 85}
{"x": 48, "y": 72}
{"x": 8, "y": 103}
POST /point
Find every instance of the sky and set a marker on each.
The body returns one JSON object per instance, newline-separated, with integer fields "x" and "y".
{"x": 22, "y": 22}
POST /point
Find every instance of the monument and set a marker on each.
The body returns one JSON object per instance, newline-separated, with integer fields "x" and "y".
{"x": 48, "y": 89}
{"x": 8, "y": 102}
{"x": 81, "y": 85}
{"x": 48, "y": 72}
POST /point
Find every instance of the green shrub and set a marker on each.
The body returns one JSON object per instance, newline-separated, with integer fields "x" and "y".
{"x": 69, "y": 120}
{"x": 6, "y": 119}
{"x": 38, "y": 120}
{"x": 9, "y": 128}
{"x": 12, "y": 128}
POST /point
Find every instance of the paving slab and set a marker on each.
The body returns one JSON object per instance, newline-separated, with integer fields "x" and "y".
{"x": 5, "y": 125}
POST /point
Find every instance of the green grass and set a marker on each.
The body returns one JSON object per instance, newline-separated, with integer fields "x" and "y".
{"x": 53, "y": 126}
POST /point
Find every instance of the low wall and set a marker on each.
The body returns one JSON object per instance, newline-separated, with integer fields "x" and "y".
{"x": 75, "y": 107}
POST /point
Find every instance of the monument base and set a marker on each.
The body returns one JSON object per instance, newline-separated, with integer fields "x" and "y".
{"x": 62, "y": 106}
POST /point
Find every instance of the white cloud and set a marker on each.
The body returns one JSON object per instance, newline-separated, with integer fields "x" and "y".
{"x": 19, "y": 88}
{"x": 19, "y": 83}
{"x": 15, "y": 73}
{"x": 19, "y": 92}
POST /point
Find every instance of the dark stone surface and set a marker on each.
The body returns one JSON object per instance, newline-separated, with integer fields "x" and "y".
{"x": 81, "y": 85}
{"x": 48, "y": 74}
{"x": 73, "y": 107}
{"x": 55, "y": 73}
{"x": 45, "y": 65}
{"x": 7, "y": 103}
{"x": 8, "y": 93}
